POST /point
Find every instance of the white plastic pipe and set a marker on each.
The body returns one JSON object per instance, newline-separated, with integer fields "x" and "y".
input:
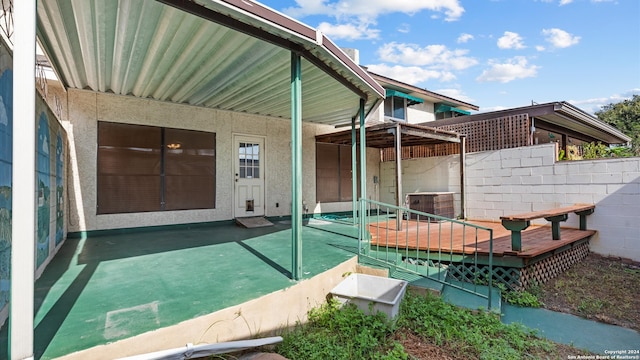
{"x": 190, "y": 351}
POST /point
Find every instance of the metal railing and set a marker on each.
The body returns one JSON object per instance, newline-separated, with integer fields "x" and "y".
{"x": 430, "y": 246}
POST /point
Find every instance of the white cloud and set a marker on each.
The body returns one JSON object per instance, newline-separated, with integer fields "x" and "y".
{"x": 360, "y": 15}
{"x": 348, "y": 31}
{"x": 560, "y": 38}
{"x": 510, "y": 40}
{"x": 404, "y": 28}
{"x": 565, "y": 2}
{"x": 371, "y": 9}
{"x": 410, "y": 74}
{"x": 435, "y": 56}
{"x": 456, "y": 94}
{"x": 596, "y": 104}
{"x": 463, "y": 38}
{"x": 540, "y": 48}
{"x": 514, "y": 68}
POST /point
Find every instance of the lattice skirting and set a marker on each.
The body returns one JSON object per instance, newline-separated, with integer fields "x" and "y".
{"x": 546, "y": 269}
{"x": 519, "y": 279}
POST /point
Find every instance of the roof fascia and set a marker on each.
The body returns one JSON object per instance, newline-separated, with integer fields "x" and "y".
{"x": 576, "y": 114}
{"x": 423, "y": 92}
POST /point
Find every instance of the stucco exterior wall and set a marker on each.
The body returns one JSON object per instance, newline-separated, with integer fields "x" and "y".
{"x": 420, "y": 113}
{"x": 512, "y": 181}
{"x": 81, "y": 111}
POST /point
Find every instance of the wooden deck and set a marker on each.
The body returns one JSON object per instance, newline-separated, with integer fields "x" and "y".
{"x": 459, "y": 239}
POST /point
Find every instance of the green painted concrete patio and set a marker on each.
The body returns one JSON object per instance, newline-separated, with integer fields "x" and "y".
{"x": 106, "y": 288}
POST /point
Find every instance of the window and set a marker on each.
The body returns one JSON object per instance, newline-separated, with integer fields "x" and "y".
{"x": 145, "y": 168}
{"x": 333, "y": 173}
{"x": 395, "y": 108}
{"x": 249, "y": 156}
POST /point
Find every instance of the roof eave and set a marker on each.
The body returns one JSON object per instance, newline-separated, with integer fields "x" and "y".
{"x": 423, "y": 93}
{"x": 575, "y": 113}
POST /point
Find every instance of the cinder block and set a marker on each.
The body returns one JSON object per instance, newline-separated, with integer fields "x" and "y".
{"x": 542, "y": 189}
{"x": 492, "y": 197}
{"x": 613, "y": 178}
{"x": 520, "y": 207}
{"x": 593, "y": 189}
{"x": 578, "y": 179}
{"x": 515, "y": 153}
{"x": 543, "y": 170}
{"x": 504, "y": 206}
{"x": 566, "y": 189}
{"x": 554, "y": 198}
{"x": 525, "y": 171}
{"x": 613, "y": 188}
{"x": 494, "y": 214}
{"x": 532, "y": 198}
{"x": 476, "y": 181}
{"x": 631, "y": 177}
{"x": 548, "y": 161}
{"x": 534, "y": 179}
{"x": 593, "y": 166}
{"x": 492, "y": 164}
{"x": 537, "y": 161}
{"x": 544, "y": 150}
{"x": 554, "y": 179}
{"x": 512, "y": 180}
{"x": 631, "y": 199}
{"x": 580, "y": 198}
{"x": 512, "y": 198}
{"x": 609, "y": 200}
{"x": 560, "y": 169}
{"x": 510, "y": 163}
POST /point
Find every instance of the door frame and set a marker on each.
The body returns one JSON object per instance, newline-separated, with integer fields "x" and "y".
{"x": 263, "y": 168}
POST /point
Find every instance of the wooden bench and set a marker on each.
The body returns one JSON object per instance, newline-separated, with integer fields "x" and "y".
{"x": 517, "y": 223}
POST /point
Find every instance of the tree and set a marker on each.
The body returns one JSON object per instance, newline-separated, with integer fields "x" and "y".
{"x": 625, "y": 116}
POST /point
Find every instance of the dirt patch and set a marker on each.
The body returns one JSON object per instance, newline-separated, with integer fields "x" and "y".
{"x": 599, "y": 288}
{"x": 421, "y": 349}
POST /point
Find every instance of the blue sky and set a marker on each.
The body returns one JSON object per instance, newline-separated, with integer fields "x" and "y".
{"x": 492, "y": 53}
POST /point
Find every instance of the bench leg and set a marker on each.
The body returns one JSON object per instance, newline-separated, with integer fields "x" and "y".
{"x": 516, "y": 227}
{"x": 555, "y": 225}
{"x": 583, "y": 218}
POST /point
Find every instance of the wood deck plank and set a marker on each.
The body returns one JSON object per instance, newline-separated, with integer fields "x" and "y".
{"x": 451, "y": 237}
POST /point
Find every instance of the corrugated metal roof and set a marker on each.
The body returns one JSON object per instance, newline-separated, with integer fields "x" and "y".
{"x": 238, "y": 61}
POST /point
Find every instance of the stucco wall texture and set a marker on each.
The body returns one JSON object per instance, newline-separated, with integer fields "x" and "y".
{"x": 512, "y": 181}
{"x": 81, "y": 111}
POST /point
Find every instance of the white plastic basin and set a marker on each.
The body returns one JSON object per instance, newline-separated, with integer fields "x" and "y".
{"x": 371, "y": 293}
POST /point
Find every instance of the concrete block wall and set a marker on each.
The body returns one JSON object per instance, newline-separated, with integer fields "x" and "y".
{"x": 526, "y": 179}
{"x": 423, "y": 174}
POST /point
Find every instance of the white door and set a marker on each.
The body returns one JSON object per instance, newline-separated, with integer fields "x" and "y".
{"x": 248, "y": 176}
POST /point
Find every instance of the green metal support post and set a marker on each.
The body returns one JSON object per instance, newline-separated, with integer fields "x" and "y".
{"x": 363, "y": 178}
{"x": 354, "y": 172}
{"x": 296, "y": 166}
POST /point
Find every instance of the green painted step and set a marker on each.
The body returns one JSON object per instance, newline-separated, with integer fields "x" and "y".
{"x": 573, "y": 330}
{"x": 418, "y": 280}
{"x": 452, "y": 294}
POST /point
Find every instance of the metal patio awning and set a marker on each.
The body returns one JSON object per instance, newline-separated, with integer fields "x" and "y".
{"x": 223, "y": 54}
{"x": 383, "y": 136}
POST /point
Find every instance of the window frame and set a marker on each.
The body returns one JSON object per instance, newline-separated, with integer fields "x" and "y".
{"x": 177, "y": 168}
{"x": 390, "y": 101}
